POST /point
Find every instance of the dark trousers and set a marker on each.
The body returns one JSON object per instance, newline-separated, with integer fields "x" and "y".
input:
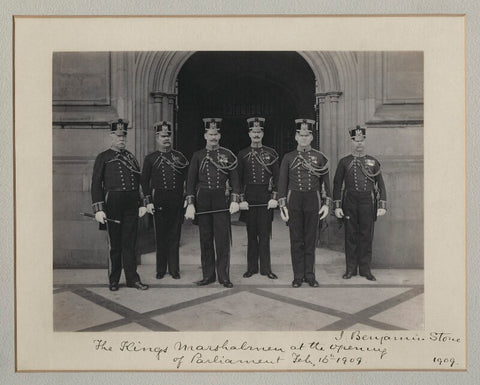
{"x": 359, "y": 208}
{"x": 259, "y": 224}
{"x": 122, "y": 206}
{"x": 168, "y": 225}
{"x": 214, "y": 227}
{"x": 303, "y": 212}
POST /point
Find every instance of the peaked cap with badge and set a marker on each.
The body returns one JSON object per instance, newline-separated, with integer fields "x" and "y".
{"x": 212, "y": 124}
{"x": 304, "y": 126}
{"x": 163, "y": 126}
{"x": 119, "y": 127}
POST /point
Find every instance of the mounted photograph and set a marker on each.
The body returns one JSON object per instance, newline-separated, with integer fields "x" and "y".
{"x": 231, "y": 193}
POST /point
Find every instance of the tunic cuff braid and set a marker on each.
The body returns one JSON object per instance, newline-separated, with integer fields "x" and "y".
{"x": 98, "y": 206}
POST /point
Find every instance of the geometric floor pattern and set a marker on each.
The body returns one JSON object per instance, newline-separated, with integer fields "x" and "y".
{"x": 82, "y": 301}
{"x": 254, "y": 304}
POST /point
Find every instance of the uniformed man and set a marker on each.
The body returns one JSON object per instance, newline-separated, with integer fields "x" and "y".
{"x": 116, "y": 195}
{"x": 304, "y": 176}
{"x": 258, "y": 170}
{"x": 364, "y": 198}
{"x": 210, "y": 170}
{"x": 163, "y": 177}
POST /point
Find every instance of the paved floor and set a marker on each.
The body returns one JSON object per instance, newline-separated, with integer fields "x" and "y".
{"x": 82, "y": 301}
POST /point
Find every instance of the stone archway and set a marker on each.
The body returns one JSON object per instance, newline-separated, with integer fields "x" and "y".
{"x": 336, "y": 104}
{"x": 279, "y": 86}
{"x": 336, "y": 90}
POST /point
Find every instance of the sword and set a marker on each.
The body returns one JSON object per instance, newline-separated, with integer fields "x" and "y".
{"x": 155, "y": 234}
{"x": 93, "y": 216}
{"x": 283, "y": 211}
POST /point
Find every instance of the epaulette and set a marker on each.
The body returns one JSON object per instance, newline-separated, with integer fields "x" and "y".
{"x": 228, "y": 151}
{"x": 321, "y": 153}
{"x": 272, "y": 151}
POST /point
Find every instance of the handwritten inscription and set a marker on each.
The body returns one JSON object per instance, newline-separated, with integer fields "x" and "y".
{"x": 443, "y": 337}
{"x": 441, "y": 361}
{"x": 244, "y": 346}
{"x": 131, "y": 346}
{"x": 346, "y": 349}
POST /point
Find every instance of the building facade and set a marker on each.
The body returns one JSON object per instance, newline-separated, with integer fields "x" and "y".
{"x": 383, "y": 90}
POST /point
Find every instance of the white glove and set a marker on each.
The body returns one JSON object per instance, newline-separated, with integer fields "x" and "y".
{"x": 381, "y": 212}
{"x": 100, "y": 217}
{"x": 339, "y": 213}
{"x": 323, "y": 211}
{"x": 190, "y": 213}
{"x": 272, "y": 204}
{"x": 150, "y": 208}
{"x": 284, "y": 214}
{"x": 234, "y": 207}
{"x": 243, "y": 205}
{"x": 142, "y": 211}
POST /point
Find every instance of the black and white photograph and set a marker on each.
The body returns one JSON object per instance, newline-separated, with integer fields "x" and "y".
{"x": 238, "y": 191}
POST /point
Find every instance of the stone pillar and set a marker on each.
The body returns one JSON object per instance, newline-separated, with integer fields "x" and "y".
{"x": 320, "y": 101}
{"x": 172, "y": 105}
{"x": 157, "y": 106}
{"x": 334, "y": 97}
{"x": 156, "y": 114}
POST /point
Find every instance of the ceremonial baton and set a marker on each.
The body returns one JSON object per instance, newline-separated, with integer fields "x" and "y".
{"x": 93, "y": 216}
{"x": 212, "y": 211}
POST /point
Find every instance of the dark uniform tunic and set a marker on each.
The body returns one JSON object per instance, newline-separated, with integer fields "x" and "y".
{"x": 115, "y": 190}
{"x": 304, "y": 176}
{"x": 163, "y": 177}
{"x": 258, "y": 171}
{"x": 362, "y": 181}
{"x": 209, "y": 171}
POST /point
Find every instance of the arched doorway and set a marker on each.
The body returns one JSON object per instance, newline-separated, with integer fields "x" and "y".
{"x": 185, "y": 86}
{"x": 279, "y": 86}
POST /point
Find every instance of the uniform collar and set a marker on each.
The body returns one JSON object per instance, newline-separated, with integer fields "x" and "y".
{"x": 304, "y": 149}
{"x": 355, "y": 155}
{"x": 165, "y": 150}
{"x": 255, "y": 145}
{"x": 211, "y": 148}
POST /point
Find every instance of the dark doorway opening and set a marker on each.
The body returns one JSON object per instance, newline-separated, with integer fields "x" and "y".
{"x": 279, "y": 86}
